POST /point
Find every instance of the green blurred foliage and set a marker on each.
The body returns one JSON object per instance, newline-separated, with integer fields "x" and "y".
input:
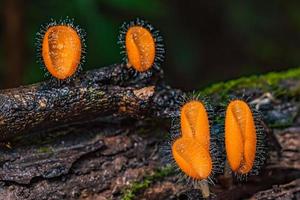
{"x": 206, "y": 41}
{"x": 102, "y": 28}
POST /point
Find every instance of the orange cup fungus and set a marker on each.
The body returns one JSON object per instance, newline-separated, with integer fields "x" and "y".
{"x": 141, "y": 45}
{"x": 61, "y": 51}
{"x": 191, "y": 151}
{"x": 240, "y": 137}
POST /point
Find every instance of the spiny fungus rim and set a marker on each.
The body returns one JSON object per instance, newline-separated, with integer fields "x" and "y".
{"x": 214, "y": 149}
{"x": 261, "y": 146}
{"x": 39, "y": 41}
{"x": 158, "y": 41}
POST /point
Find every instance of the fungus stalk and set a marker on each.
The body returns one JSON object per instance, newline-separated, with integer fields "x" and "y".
{"x": 204, "y": 187}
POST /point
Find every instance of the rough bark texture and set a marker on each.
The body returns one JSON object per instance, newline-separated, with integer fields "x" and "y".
{"x": 111, "y": 90}
{"x": 117, "y": 157}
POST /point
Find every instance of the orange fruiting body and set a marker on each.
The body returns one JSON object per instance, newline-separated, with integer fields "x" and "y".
{"x": 192, "y": 158}
{"x": 194, "y": 122}
{"x": 61, "y": 51}
{"x": 240, "y": 137}
{"x": 140, "y": 47}
{"x": 191, "y": 151}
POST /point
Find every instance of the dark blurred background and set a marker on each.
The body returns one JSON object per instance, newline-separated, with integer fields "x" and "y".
{"x": 206, "y": 41}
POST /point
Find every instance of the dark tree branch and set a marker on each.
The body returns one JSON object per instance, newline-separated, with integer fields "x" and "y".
{"x": 102, "y": 92}
{"x": 101, "y": 158}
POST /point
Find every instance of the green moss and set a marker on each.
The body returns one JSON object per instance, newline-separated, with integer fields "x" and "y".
{"x": 44, "y": 150}
{"x": 263, "y": 82}
{"x": 282, "y": 125}
{"x": 131, "y": 192}
{"x": 271, "y": 82}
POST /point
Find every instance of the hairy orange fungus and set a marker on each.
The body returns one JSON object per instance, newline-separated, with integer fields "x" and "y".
{"x": 240, "y": 137}
{"x": 191, "y": 151}
{"x": 194, "y": 122}
{"x": 140, "y": 48}
{"x": 61, "y": 51}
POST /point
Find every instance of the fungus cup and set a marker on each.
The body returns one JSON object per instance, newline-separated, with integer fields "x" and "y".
{"x": 141, "y": 45}
{"x": 244, "y": 138}
{"x": 61, "y": 47}
{"x": 193, "y": 150}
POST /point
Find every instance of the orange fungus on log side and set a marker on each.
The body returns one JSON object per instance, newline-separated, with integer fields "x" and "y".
{"x": 191, "y": 151}
{"x": 192, "y": 158}
{"x": 194, "y": 122}
{"x": 61, "y": 51}
{"x": 240, "y": 137}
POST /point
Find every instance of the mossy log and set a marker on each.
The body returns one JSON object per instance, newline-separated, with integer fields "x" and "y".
{"x": 115, "y": 154}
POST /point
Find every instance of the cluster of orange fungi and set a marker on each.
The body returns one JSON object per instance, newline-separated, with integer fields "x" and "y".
{"x": 191, "y": 151}
{"x": 62, "y": 49}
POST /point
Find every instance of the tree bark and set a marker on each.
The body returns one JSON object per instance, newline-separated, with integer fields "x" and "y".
{"x": 116, "y": 155}
{"x": 112, "y": 90}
